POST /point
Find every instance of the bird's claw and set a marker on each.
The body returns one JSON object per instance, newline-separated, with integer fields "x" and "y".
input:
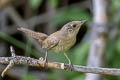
{"x": 70, "y": 66}
{"x": 41, "y": 59}
{"x": 44, "y": 61}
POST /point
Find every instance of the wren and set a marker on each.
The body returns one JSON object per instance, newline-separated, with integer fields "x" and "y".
{"x": 59, "y": 41}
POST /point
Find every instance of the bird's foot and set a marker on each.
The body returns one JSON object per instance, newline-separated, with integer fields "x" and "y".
{"x": 71, "y": 66}
{"x": 44, "y": 61}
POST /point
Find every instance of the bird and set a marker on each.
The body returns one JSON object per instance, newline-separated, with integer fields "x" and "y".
{"x": 59, "y": 41}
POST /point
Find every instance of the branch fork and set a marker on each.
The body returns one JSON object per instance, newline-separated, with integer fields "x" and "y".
{"x": 11, "y": 63}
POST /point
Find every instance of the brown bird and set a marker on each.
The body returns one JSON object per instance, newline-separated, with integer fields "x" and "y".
{"x": 59, "y": 41}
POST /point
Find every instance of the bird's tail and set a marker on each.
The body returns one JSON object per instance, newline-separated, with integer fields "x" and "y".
{"x": 36, "y": 35}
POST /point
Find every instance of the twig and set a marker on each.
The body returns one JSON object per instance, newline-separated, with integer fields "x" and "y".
{"x": 21, "y": 60}
{"x": 11, "y": 63}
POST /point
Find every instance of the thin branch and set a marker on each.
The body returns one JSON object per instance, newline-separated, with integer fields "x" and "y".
{"x": 11, "y": 64}
{"x": 7, "y": 68}
{"x": 21, "y": 60}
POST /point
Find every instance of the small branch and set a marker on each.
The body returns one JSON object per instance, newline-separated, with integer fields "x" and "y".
{"x": 11, "y": 62}
{"x": 7, "y": 68}
{"x": 21, "y": 60}
{"x": 12, "y": 51}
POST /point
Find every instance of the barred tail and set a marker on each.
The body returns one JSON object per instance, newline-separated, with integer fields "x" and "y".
{"x": 36, "y": 35}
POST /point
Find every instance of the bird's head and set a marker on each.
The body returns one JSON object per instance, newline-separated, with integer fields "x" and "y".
{"x": 73, "y": 27}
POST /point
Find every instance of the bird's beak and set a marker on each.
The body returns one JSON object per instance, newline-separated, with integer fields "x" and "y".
{"x": 83, "y": 21}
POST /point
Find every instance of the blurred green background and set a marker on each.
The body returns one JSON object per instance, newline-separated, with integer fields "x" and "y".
{"x": 48, "y": 16}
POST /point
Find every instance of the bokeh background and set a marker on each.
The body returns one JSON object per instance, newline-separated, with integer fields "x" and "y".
{"x": 98, "y": 41}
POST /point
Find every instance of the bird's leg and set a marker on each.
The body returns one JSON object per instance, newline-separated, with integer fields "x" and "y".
{"x": 45, "y": 60}
{"x": 70, "y": 63}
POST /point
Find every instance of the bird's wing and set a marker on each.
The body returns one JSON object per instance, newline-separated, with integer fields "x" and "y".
{"x": 50, "y": 42}
{"x": 36, "y": 35}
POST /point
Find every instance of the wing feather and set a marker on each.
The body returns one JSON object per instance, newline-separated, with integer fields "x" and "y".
{"x": 51, "y": 41}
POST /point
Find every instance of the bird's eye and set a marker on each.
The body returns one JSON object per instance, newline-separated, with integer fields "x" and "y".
{"x": 74, "y": 25}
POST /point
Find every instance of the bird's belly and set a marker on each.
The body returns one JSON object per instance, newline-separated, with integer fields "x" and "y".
{"x": 64, "y": 45}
